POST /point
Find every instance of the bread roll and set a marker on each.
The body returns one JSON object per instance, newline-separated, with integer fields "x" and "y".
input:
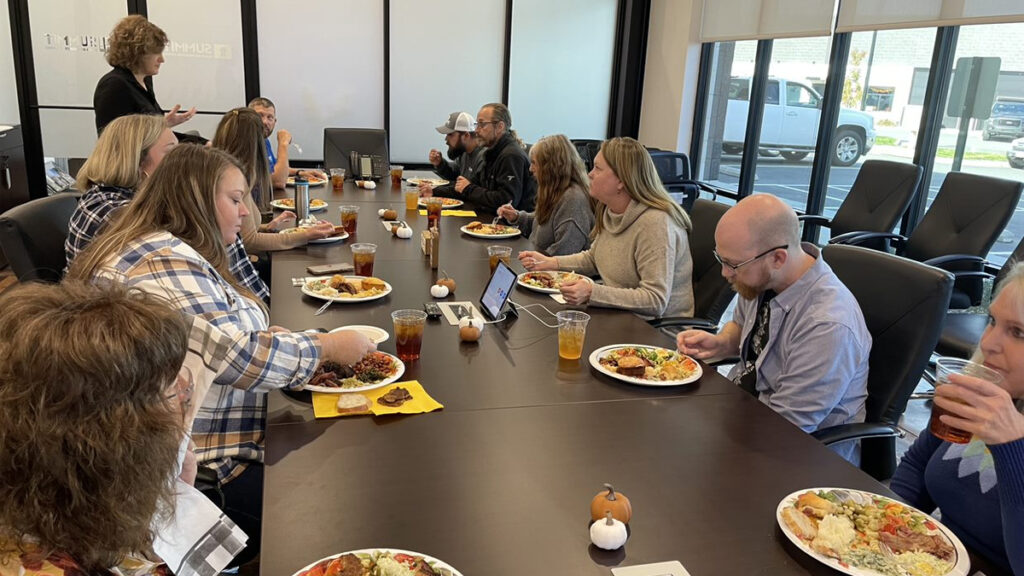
{"x": 353, "y": 404}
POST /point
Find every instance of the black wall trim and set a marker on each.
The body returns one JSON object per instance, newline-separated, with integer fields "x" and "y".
{"x": 941, "y": 72}
{"x": 138, "y": 7}
{"x": 387, "y": 70}
{"x": 628, "y": 63}
{"x": 818, "y": 185}
{"x": 25, "y": 78}
{"x": 707, "y": 52}
{"x": 250, "y": 50}
{"x": 506, "y": 73}
{"x": 755, "y": 114}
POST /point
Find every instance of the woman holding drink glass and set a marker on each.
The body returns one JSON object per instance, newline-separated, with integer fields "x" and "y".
{"x": 979, "y": 484}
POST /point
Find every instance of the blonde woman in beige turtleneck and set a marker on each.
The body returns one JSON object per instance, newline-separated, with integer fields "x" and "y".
{"x": 640, "y": 246}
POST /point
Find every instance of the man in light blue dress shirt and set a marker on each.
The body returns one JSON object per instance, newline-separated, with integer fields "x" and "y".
{"x": 797, "y": 329}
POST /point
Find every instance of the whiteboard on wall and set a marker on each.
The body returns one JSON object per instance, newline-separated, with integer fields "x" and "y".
{"x": 204, "y": 65}
{"x": 322, "y": 64}
{"x": 434, "y": 74}
{"x": 9, "y": 113}
{"x": 69, "y": 41}
{"x": 560, "y": 71}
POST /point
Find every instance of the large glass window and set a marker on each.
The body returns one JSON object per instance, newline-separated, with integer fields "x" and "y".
{"x": 994, "y": 146}
{"x": 732, "y": 65}
{"x": 792, "y": 112}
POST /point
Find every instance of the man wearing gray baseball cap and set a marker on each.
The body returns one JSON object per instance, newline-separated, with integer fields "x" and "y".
{"x": 465, "y": 151}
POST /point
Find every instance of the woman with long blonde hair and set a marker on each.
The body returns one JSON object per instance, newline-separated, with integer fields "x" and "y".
{"x": 564, "y": 215}
{"x": 240, "y": 133}
{"x": 639, "y": 244}
{"x": 171, "y": 242}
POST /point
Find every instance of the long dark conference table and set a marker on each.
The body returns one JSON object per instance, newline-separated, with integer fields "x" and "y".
{"x": 500, "y": 481}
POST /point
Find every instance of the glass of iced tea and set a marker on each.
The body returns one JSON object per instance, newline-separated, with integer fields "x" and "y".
{"x": 396, "y": 175}
{"x": 572, "y": 328}
{"x": 944, "y": 367}
{"x": 349, "y": 218}
{"x": 338, "y": 179}
{"x": 362, "y": 258}
{"x": 412, "y": 199}
{"x": 497, "y": 254}
{"x": 434, "y": 207}
{"x": 409, "y": 333}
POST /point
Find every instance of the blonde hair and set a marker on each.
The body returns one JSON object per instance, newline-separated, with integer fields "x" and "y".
{"x": 240, "y": 133}
{"x": 88, "y": 436}
{"x": 180, "y": 198}
{"x": 132, "y": 38}
{"x": 633, "y": 166}
{"x": 558, "y": 168}
{"x": 122, "y": 147}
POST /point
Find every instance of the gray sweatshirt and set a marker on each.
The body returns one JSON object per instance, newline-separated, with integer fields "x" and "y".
{"x": 643, "y": 256}
{"x": 567, "y": 230}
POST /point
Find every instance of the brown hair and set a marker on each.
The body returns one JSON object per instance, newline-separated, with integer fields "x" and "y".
{"x": 261, "y": 102}
{"x": 240, "y": 133}
{"x": 558, "y": 168}
{"x": 179, "y": 198}
{"x": 119, "y": 152}
{"x": 501, "y": 113}
{"x": 131, "y": 39}
{"x": 633, "y": 166}
{"x": 88, "y": 436}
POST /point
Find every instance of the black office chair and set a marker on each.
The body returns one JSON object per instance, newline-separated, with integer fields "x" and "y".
{"x": 964, "y": 221}
{"x": 32, "y": 236}
{"x": 904, "y": 304}
{"x": 877, "y": 200}
{"x": 339, "y": 143}
{"x": 711, "y": 291}
{"x": 587, "y": 150}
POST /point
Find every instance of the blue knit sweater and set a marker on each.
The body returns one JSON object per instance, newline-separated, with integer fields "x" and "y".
{"x": 961, "y": 480}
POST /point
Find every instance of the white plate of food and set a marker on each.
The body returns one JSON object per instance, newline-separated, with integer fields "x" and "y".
{"x": 312, "y": 181}
{"x": 376, "y": 335}
{"x": 378, "y": 562}
{"x": 431, "y": 181}
{"x": 481, "y": 230}
{"x": 338, "y": 236}
{"x": 377, "y": 369}
{"x": 547, "y": 282}
{"x": 446, "y": 203}
{"x": 645, "y": 365}
{"x": 865, "y": 534}
{"x": 339, "y": 288}
{"x": 315, "y": 205}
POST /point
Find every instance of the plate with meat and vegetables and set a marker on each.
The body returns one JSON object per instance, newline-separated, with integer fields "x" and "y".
{"x": 346, "y": 289}
{"x": 645, "y": 365}
{"x": 373, "y": 371}
{"x": 548, "y": 282}
{"x": 865, "y": 534}
{"x": 379, "y": 562}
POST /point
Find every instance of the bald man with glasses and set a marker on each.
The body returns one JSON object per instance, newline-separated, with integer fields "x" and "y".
{"x": 798, "y": 331}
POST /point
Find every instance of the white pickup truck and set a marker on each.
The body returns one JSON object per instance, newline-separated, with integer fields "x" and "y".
{"x": 790, "y": 124}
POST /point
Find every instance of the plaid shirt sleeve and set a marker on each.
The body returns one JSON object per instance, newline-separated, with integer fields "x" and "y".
{"x": 90, "y": 216}
{"x": 245, "y": 272}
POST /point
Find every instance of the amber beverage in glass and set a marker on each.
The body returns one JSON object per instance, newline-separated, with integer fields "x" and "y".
{"x": 572, "y": 329}
{"x": 396, "y": 175}
{"x": 944, "y": 367}
{"x": 362, "y": 258}
{"x": 408, "y": 333}
{"x": 434, "y": 206}
{"x": 412, "y": 199}
{"x": 499, "y": 254}
{"x": 338, "y": 179}
{"x": 349, "y": 218}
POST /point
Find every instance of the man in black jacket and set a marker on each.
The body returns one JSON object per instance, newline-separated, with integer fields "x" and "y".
{"x": 464, "y": 149}
{"x": 506, "y": 177}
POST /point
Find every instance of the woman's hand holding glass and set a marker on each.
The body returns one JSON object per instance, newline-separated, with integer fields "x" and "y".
{"x": 984, "y": 409}
{"x": 536, "y": 261}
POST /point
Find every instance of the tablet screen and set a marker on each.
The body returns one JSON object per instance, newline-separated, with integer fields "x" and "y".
{"x": 497, "y": 290}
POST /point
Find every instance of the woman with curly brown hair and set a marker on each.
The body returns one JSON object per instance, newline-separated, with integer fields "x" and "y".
{"x": 564, "y": 216}
{"x": 92, "y": 402}
{"x": 136, "y": 52}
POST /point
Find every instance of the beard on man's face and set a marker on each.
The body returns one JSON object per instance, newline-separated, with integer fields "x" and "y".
{"x": 746, "y": 291}
{"x": 454, "y": 152}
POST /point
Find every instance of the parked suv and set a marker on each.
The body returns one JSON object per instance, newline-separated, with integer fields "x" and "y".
{"x": 1006, "y": 120}
{"x": 790, "y": 124}
{"x": 1015, "y": 155}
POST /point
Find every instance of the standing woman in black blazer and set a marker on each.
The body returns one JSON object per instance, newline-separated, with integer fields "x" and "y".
{"x": 136, "y": 52}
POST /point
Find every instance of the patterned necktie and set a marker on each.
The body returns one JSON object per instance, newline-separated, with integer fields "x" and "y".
{"x": 755, "y": 344}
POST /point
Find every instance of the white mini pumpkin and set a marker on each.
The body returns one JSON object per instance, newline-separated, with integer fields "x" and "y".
{"x": 608, "y": 533}
{"x": 438, "y": 291}
{"x": 404, "y": 232}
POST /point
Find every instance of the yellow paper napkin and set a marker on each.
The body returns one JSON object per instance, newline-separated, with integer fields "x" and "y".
{"x": 456, "y": 213}
{"x": 325, "y": 405}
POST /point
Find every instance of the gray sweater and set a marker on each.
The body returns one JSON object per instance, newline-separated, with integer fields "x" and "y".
{"x": 643, "y": 256}
{"x": 567, "y": 230}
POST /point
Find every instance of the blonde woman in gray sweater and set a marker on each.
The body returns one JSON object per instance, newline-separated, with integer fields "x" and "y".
{"x": 639, "y": 245}
{"x": 564, "y": 216}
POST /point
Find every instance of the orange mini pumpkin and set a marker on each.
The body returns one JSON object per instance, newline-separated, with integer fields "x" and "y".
{"x": 609, "y": 500}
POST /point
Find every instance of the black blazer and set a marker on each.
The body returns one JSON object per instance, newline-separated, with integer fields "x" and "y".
{"x": 118, "y": 94}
